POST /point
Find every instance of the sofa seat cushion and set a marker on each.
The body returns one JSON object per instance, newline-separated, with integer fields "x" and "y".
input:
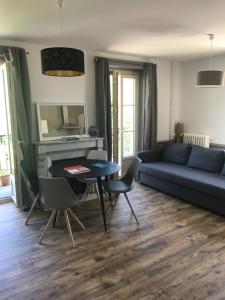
{"x": 209, "y": 160}
{"x": 204, "y": 182}
{"x": 177, "y": 153}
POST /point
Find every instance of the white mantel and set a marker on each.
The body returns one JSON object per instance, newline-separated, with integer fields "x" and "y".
{"x": 48, "y": 151}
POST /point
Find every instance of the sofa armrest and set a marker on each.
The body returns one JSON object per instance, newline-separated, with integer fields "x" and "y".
{"x": 150, "y": 155}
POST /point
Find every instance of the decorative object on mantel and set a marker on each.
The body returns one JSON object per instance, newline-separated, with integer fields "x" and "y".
{"x": 210, "y": 78}
{"x": 93, "y": 131}
{"x": 62, "y": 61}
{"x": 178, "y": 132}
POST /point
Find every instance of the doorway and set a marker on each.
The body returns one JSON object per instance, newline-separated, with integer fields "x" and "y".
{"x": 6, "y": 152}
{"x": 124, "y": 86}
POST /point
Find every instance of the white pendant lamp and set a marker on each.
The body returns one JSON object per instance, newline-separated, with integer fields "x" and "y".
{"x": 210, "y": 78}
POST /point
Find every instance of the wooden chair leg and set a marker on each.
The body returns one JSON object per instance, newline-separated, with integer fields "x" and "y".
{"x": 76, "y": 218}
{"x": 31, "y": 209}
{"x": 57, "y": 216}
{"x": 96, "y": 191}
{"x": 47, "y": 225}
{"x": 131, "y": 208}
{"x": 85, "y": 194}
{"x": 69, "y": 227}
{"x": 98, "y": 195}
{"x": 114, "y": 206}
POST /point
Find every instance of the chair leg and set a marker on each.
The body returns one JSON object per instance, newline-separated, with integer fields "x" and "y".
{"x": 57, "y": 216}
{"x": 47, "y": 225}
{"x": 131, "y": 208}
{"x": 32, "y": 207}
{"x": 111, "y": 200}
{"x": 96, "y": 191}
{"x": 85, "y": 194}
{"x": 69, "y": 227}
{"x": 114, "y": 206}
{"x": 98, "y": 196}
{"x": 76, "y": 218}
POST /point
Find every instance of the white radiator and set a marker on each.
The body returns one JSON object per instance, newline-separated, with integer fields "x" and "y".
{"x": 196, "y": 139}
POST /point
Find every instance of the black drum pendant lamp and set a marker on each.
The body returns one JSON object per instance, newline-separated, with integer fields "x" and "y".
{"x": 62, "y": 61}
{"x": 210, "y": 78}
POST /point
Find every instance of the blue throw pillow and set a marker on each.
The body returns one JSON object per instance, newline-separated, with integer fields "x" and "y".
{"x": 209, "y": 160}
{"x": 176, "y": 153}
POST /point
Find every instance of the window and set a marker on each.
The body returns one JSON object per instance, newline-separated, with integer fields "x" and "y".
{"x": 124, "y": 95}
{"x": 128, "y": 116}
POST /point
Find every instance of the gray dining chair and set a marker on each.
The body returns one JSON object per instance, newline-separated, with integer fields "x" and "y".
{"x": 124, "y": 185}
{"x": 92, "y": 182}
{"x": 58, "y": 196}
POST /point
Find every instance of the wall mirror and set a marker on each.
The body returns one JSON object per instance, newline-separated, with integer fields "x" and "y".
{"x": 56, "y": 121}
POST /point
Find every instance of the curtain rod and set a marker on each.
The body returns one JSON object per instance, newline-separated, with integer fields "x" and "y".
{"x": 130, "y": 62}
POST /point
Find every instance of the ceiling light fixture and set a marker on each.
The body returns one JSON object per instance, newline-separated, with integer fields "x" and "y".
{"x": 210, "y": 78}
{"x": 62, "y": 61}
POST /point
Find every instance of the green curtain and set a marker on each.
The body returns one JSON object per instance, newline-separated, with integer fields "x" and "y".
{"x": 21, "y": 113}
{"x": 148, "y": 107}
{"x": 103, "y": 102}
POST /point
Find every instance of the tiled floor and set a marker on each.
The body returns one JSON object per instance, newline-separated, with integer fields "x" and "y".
{"x": 5, "y": 192}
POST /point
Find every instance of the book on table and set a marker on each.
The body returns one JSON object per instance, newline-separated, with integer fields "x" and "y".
{"x": 99, "y": 165}
{"x": 77, "y": 170}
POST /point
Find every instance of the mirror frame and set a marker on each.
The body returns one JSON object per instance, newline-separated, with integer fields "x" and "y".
{"x": 42, "y": 138}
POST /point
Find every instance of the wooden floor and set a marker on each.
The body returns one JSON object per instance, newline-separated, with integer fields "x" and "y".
{"x": 177, "y": 252}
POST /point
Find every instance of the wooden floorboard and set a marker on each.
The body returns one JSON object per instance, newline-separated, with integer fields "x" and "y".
{"x": 177, "y": 252}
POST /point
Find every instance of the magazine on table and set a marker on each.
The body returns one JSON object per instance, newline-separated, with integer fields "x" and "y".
{"x": 77, "y": 170}
{"x": 99, "y": 165}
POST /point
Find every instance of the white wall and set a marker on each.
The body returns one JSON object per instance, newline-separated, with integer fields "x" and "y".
{"x": 82, "y": 89}
{"x": 46, "y": 89}
{"x": 202, "y": 109}
{"x": 175, "y": 93}
{"x": 164, "y": 98}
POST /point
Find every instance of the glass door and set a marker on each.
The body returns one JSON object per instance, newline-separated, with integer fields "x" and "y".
{"x": 124, "y": 97}
{"x": 5, "y": 168}
{"x": 7, "y": 165}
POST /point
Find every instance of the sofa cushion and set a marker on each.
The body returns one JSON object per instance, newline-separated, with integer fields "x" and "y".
{"x": 204, "y": 182}
{"x": 177, "y": 153}
{"x": 151, "y": 155}
{"x": 209, "y": 160}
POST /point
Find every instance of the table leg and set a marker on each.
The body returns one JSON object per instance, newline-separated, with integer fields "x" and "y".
{"x": 99, "y": 180}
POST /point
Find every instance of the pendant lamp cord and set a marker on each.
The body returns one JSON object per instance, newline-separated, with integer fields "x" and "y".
{"x": 211, "y": 37}
{"x": 60, "y": 7}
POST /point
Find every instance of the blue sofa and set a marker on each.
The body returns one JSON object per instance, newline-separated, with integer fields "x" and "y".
{"x": 191, "y": 173}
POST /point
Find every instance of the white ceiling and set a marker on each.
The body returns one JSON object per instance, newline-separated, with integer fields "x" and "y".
{"x": 149, "y": 28}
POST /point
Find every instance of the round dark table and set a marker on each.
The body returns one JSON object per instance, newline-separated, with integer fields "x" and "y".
{"x": 57, "y": 170}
